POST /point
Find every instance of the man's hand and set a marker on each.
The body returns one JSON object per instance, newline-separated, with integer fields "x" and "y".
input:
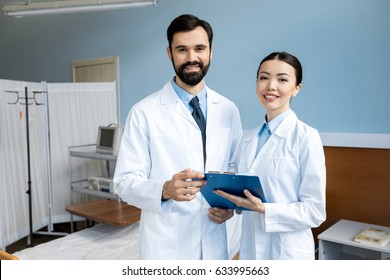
{"x": 218, "y": 215}
{"x": 183, "y": 186}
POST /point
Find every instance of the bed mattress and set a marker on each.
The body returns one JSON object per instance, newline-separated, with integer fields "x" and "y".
{"x": 108, "y": 242}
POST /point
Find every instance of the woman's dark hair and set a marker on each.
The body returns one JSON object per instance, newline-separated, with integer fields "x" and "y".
{"x": 288, "y": 58}
{"x": 185, "y": 23}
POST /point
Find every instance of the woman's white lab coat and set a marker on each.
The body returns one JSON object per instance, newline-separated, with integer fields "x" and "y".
{"x": 291, "y": 168}
{"x": 160, "y": 139}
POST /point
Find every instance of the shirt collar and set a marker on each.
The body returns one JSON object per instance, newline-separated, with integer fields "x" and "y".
{"x": 275, "y": 122}
{"x": 186, "y": 97}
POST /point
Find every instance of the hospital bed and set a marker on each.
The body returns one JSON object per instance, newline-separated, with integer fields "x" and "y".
{"x": 108, "y": 242}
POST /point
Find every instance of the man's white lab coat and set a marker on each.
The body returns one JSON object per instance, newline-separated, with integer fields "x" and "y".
{"x": 291, "y": 168}
{"x": 160, "y": 139}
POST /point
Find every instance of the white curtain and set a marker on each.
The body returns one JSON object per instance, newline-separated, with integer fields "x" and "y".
{"x": 14, "y": 216}
{"x": 68, "y": 115}
{"x": 75, "y": 112}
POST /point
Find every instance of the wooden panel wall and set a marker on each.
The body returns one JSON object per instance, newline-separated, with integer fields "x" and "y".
{"x": 358, "y": 186}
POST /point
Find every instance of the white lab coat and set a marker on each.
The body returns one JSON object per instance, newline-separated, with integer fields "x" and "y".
{"x": 160, "y": 139}
{"x": 291, "y": 168}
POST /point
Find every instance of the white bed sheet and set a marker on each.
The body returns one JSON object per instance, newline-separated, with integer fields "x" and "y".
{"x": 108, "y": 242}
{"x": 100, "y": 242}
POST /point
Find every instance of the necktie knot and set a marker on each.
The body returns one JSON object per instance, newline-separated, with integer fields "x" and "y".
{"x": 195, "y": 103}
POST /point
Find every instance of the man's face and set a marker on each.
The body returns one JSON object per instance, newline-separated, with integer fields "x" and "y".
{"x": 190, "y": 54}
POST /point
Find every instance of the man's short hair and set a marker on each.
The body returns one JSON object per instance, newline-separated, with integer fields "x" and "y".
{"x": 186, "y": 23}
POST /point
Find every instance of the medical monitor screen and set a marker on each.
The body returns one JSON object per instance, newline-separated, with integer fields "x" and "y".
{"x": 106, "y": 137}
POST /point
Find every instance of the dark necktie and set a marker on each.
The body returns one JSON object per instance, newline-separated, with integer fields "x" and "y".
{"x": 200, "y": 120}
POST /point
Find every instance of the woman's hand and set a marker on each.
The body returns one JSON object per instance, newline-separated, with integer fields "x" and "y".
{"x": 250, "y": 202}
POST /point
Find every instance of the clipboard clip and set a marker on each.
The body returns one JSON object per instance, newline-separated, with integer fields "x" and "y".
{"x": 222, "y": 172}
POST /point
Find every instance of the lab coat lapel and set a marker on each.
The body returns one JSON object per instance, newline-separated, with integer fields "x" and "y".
{"x": 213, "y": 116}
{"x": 213, "y": 101}
{"x": 170, "y": 98}
{"x": 250, "y": 142}
{"x": 287, "y": 124}
{"x": 281, "y": 132}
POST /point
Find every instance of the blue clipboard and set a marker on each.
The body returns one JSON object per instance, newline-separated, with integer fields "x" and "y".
{"x": 233, "y": 184}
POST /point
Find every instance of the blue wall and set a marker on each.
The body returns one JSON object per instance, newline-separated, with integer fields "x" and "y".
{"x": 343, "y": 46}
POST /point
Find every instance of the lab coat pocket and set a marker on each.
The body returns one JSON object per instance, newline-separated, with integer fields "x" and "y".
{"x": 174, "y": 152}
{"x": 297, "y": 245}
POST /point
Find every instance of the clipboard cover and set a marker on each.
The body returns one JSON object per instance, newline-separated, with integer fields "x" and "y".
{"x": 230, "y": 183}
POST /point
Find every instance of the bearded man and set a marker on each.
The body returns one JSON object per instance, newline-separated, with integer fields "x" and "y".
{"x": 170, "y": 138}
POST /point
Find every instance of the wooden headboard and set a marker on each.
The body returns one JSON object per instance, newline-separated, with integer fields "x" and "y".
{"x": 358, "y": 186}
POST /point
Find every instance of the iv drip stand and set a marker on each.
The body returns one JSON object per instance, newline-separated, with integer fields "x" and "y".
{"x": 29, "y": 241}
{"x": 27, "y": 102}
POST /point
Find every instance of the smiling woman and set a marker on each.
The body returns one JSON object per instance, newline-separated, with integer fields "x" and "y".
{"x": 289, "y": 160}
{"x": 279, "y": 79}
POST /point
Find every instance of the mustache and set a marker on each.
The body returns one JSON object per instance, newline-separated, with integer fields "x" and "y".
{"x": 192, "y": 63}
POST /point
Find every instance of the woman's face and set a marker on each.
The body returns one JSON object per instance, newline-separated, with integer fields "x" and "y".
{"x": 276, "y": 84}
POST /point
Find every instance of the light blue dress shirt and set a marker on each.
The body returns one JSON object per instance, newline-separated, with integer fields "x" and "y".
{"x": 267, "y": 128}
{"x": 186, "y": 97}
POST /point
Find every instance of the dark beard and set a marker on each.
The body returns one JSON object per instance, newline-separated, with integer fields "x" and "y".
{"x": 192, "y": 78}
